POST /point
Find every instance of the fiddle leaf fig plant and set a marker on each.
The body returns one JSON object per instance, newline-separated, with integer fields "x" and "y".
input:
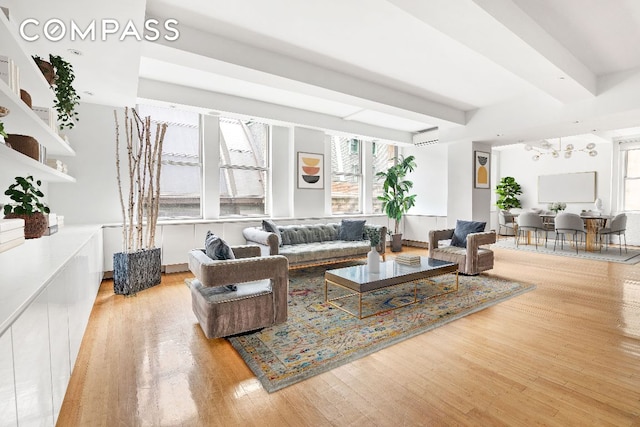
{"x": 25, "y": 195}
{"x": 507, "y": 190}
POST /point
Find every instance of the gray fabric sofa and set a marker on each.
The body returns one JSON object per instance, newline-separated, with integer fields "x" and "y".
{"x": 259, "y": 301}
{"x": 471, "y": 260}
{"x": 310, "y": 244}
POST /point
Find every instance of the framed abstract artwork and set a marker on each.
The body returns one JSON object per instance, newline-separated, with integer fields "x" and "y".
{"x": 310, "y": 171}
{"x": 482, "y": 169}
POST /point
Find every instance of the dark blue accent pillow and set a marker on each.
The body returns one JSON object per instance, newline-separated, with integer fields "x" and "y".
{"x": 217, "y": 249}
{"x": 352, "y": 229}
{"x": 271, "y": 227}
{"x": 463, "y": 228}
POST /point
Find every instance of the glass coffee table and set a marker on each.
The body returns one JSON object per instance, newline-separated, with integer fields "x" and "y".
{"x": 359, "y": 281}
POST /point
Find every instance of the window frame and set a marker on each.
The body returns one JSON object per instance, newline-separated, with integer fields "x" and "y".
{"x": 154, "y": 121}
{"x": 358, "y": 176}
{"x": 625, "y": 148}
{"x": 226, "y": 167}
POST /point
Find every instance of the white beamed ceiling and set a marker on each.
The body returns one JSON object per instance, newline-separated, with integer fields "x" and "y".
{"x": 499, "y": 71}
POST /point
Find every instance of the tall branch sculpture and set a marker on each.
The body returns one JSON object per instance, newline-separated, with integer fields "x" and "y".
{"x": 144, "y": 153}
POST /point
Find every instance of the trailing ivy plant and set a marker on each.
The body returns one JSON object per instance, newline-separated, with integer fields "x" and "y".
{"x": 66, "y": 97}
{"x": 507, "y": 190}
{"x": 25, "y": 196}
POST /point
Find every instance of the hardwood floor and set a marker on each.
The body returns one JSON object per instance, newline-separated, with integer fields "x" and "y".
{"x": 567, "y": 353}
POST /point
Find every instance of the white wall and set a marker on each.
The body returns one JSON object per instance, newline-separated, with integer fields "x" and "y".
{"x": 283, "y": 171}
{"x": 311, "y": 202}
{"x": 517, "y": 162}
{"x": 93, "y": 199}
{"x": 429, "y": 179}
{"x": 460, "y": 182}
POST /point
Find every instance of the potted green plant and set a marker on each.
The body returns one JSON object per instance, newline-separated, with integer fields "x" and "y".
{"x": 66, "y": 97}
{"x": 508, "y": 190}
{"x": 25, "y": 194}
{"x": 396, "y": 200}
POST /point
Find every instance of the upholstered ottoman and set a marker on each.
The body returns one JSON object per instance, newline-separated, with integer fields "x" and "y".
{"x": 221, "y": 312}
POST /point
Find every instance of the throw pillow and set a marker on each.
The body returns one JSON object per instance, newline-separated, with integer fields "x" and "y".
{"x": 351, "y": 229}
{"x": 271, "y": 227}
{"x": 463, "y": 228}
{"x": 216, "y": 248}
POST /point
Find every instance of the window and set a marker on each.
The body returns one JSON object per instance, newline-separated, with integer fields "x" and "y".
{"x": 180, "y": 179}
{"x": 243, "y": 167}
{"x": 346, "y": 175}
{"x": 383, "y": 159}
{"x": 631, "y": 180}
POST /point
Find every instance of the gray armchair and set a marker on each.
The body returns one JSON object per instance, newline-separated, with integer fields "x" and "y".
{"x": 471, "y": 260}
{"x": 259, "y": 301}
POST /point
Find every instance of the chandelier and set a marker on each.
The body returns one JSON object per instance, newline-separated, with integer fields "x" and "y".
{"x": 557, "y": 150}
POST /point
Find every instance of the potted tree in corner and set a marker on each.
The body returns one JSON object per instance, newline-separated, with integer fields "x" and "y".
{"x": 137, "y": 267}
{"x": 396, "y": 200}
{"x": 25, "y": 195}
{"x": 508, "y": 190}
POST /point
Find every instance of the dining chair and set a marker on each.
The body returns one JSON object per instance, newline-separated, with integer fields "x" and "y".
{"x": 531, "y": 221}
{"x": 618, "y": 227}
{"x": 506, "y": 223}
{"x": 569, "y": 224}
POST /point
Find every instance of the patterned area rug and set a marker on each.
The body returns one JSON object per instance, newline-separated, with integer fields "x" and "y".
{"x": 612, "y": 254}
{"x": 318, "y": 337}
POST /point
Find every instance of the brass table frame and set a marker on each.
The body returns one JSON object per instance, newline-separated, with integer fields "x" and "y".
{"x": 412, "y": 277}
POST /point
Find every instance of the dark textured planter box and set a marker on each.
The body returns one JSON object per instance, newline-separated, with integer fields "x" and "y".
{"x": 136, "y": 271}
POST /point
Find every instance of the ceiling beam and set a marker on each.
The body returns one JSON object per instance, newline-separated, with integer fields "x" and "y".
{"x": 503, "y": 33}
{"x": 217, "y": 54}
{"x": 282, "y": 115}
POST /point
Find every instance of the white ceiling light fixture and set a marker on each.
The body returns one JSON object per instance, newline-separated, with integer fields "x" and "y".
{"x": 555, "y": 151}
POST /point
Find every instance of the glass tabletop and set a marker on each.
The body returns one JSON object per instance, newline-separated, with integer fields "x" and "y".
{"x": 360, "y": 274}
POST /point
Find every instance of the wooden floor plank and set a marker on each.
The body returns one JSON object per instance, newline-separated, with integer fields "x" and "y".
{"x": 564, "y": 354}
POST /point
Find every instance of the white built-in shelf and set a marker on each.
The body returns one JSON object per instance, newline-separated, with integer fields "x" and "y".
{"x": 17, "y": 164}
{"x": 31, "y": 78}
{"x": 23, "y": 121}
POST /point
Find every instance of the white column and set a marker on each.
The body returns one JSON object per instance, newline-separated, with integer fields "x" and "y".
{"x": 210, "y": 134}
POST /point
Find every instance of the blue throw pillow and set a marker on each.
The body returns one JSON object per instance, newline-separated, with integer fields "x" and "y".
{"x": 351, "y": 229}
{"x": 271, "y": 227}
{"x": 463, "y": 228}
{"x": 216, "y": 248}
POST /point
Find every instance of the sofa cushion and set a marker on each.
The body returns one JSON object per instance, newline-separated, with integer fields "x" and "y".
{"x": 271, "y": 227}
{"x": 323, "y": 251}
{"x": 463, "y": 228}
{"x": 352, "y": 229}
{"x": 217, "y": 249}
{"x": 308, "y": 233}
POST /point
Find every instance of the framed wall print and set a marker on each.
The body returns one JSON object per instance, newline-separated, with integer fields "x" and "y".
{"x": 310, "y": 170}
{"x": 482, "y": 169}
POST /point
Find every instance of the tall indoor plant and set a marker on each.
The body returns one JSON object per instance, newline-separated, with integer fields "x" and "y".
{"x": 26, "y": 204}
{"x": 59, "y": 73}
{"x": 137, "y": 267}
{"x": 508, "y": 190}
{"x": 396, "y": 200}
